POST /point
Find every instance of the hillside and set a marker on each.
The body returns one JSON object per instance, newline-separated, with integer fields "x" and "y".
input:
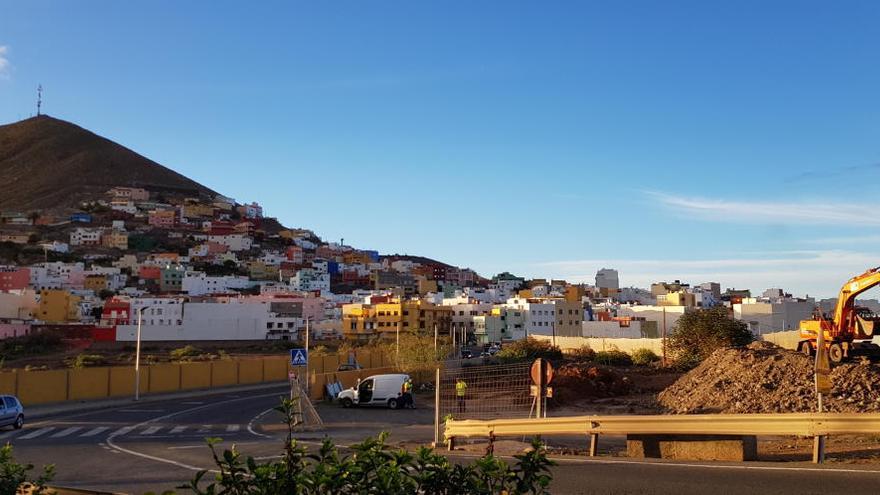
{"x": 47, "y": 163}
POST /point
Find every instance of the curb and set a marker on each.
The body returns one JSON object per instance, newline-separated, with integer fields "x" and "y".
{"x": 46, "y": 410}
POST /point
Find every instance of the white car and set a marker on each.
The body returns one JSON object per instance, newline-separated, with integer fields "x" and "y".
{"x": 376, "y": 390}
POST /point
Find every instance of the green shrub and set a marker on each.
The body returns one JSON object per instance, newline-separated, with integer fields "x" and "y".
{"x": 614, "y": 357}
{"x": 697, "y": 334}
{"x": 186, "y": 353}
{"x": 528, "y": 349}
{"x": 644, "y": 357}
{"x": 372, "y": 467}
{"x": 15, "y": 478}
{"x": 87, "y": 360}
{"x": 583, "y": 353}
{"x": 32, "y": 344}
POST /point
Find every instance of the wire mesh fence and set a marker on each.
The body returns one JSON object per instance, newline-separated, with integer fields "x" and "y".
{"x": 489, "y": 391}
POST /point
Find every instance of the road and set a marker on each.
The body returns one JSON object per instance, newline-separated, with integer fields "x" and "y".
{"x": 156, "y": 446}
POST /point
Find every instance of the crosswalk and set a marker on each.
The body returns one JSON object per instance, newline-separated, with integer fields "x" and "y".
{"x": 95, "y": 432}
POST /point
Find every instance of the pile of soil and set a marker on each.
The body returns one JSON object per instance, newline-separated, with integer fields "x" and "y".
{"x": 764, "y": 378}
{"x": 575, "y": 381}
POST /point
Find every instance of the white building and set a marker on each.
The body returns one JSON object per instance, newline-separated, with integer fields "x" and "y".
{"x": 634, "y": 329}
{"x": 607, "y": 278}
{"x": 85, "y": 237}
{"x": 309, "y": 279}
{"x": 233, "y": 319}
{"x": 773, "y": 316}
{"x": 665, "y": 316}
{"x": 235, "y": 242}
{"x": 197, "y": 283}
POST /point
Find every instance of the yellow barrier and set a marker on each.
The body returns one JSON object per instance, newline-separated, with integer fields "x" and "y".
{"x": 224, "y": 373}
{"x": 250, "y": 371}
{"x": 88, "y": 383}
{"x": 37, "y": 387}
{"x": 42, "y": 387}
{"x": 195, "y": 375}
{"x": 8, "y": 382}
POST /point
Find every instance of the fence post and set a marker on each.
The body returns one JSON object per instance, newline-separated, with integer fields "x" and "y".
{"x": 594, "y": 444}
{"x": 818, "y": 449}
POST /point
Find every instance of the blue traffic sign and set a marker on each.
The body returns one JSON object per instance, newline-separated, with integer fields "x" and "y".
{"x": 299, "y": 357}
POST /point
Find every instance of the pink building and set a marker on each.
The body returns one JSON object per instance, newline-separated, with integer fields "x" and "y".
{"x": 14, "y": 329}
{"x": 163, "y": 219}
{"x": 14, "y": 278}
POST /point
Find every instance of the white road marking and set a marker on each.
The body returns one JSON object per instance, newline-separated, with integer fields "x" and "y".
{"x": 37, "y": 433}
{"x": 178, "y": 429}
{"x": 122, "y": 431}
{"x": 151, "y": 430}
{"x": 204, "y": 429}
{"x": 67, "y": 431}
{"x": 250, "y": 426}
{"x": 95, "y": 431}
{"x": 9, "y": 433}
{"x": 233, "y": 428}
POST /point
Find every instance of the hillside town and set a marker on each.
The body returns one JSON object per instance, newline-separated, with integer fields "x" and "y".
{"x": 193, "y": 268}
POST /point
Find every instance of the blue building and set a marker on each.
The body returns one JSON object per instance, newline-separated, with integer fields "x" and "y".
{"x": 81, "y": 218}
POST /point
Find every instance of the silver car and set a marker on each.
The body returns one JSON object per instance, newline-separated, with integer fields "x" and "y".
{"x": 11, "y": 412}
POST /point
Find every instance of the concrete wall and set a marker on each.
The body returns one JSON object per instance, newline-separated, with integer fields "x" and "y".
{"x": 43, "y": 387}
{"x": 605, "y": 344}
{"x": 787, "y": 340}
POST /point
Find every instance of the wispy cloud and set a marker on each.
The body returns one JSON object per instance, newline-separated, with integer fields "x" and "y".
{"x": 861, "y": 214}
{"x": 834, "y": 172}
{"x": 819, "y": 272}
{"x": 4, "y": 62}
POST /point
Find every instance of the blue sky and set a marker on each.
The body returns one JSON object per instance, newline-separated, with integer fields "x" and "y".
{"x": 697, "y": 140}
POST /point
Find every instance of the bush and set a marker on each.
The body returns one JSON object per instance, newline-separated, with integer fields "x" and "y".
{"x": 32, "y": 344}
{"x": 583, "y": 353}
{"x": 372, "y": 467}
{"x": 644, "y": 357}
{"x": 613, "y": 357}
{"x": 697, "y": 334}
{"x": 528, "y": 349}
{"x": 87, "y": 360}
{"x": 15, "y": 477}
{"x": 190, "y": 353}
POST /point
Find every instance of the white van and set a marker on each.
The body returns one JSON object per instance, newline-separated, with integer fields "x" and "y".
{"x": 376, "y": 390}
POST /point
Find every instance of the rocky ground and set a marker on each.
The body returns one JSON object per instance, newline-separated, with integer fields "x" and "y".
{"x": 764, "y": 378}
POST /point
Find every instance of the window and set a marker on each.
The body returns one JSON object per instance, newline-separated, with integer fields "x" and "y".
{"x": 269, "y": 325}
{"x": 10, "y": 402}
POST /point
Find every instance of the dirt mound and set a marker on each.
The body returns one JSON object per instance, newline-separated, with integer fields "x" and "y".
{"x": 763, "y": 378}
{"x": 575, "y": 381}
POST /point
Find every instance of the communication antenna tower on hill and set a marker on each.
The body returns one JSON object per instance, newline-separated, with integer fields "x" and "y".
{"x": 39, "y": 98}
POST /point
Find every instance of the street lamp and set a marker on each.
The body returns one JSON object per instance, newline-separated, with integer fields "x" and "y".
{"x": 137, "y": 356}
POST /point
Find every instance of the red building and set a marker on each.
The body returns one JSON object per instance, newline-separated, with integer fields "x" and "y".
{"x": 14, "y": 278}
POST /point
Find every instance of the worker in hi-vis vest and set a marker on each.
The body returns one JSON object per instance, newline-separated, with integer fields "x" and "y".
{"x": 460, "y": 393}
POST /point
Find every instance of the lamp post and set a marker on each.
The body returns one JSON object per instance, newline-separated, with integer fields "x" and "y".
{"x": 137, "y": 356}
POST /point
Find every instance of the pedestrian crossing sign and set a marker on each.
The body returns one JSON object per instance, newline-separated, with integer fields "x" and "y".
{"x": 299, "y": 357}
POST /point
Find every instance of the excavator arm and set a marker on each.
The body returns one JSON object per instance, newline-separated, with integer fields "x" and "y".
{"x": 844, "y": 312}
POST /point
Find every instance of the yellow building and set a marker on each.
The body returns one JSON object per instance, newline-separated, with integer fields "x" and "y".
{"x": 677, "y": 298}
{"x": 197, "y": 210}
{"x": 58, "y": 306}
{"x": 259, "y": 270}
{"x": 115, "y": 239}
{"x": 363, "y": 321}
{"x": 96, "y": 282}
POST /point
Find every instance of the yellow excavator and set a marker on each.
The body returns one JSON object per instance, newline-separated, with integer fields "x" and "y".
{"x": 849, "y": 331}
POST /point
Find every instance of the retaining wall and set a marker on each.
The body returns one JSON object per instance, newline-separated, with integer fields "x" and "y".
{"x": 48, "y": 386}
{"x": 605, "y": 344}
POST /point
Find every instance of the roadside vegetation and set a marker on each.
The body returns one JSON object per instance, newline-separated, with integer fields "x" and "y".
{"x": 18, "y": 479}
{"x": 371, "y": 467}
{"x": 34, "y": 344}
{"x": 697, "y": 334}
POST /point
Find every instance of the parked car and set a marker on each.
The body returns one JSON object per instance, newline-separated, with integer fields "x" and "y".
{"x": 11, "y": 412}
{"x": 466, "y": 354}
{"x": 349, "y": 367}
{"x": 376, "y": 390}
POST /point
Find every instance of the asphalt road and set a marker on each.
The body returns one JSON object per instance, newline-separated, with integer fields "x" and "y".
{"x": 157, "y": 446}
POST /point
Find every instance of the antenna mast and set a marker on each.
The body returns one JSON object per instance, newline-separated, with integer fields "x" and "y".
{"x": 39, "y": 98}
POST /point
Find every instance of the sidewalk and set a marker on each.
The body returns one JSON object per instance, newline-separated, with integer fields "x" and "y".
{"x": 44, "y": 410}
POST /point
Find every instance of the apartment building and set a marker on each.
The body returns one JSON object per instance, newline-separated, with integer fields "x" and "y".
{"x": 363, "y": 321}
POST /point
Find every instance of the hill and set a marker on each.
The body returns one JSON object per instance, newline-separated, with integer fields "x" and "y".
{"x": 50, "y": 164}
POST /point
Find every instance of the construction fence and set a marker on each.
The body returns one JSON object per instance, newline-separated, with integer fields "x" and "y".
{"x": 52, "y": 386}
{"x": 491, "y": 391}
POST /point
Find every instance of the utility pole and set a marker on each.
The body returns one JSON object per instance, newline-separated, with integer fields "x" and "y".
{"x": 39, "y": 98}
{"x": 137, "y": 356}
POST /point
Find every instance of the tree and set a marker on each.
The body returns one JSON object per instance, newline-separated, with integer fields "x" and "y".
{"x": 416, "y": 351}
{"x": 697, "y": 334}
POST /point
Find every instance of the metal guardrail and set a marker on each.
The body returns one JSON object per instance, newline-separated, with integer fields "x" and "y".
{"x": 817, "y": 425}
